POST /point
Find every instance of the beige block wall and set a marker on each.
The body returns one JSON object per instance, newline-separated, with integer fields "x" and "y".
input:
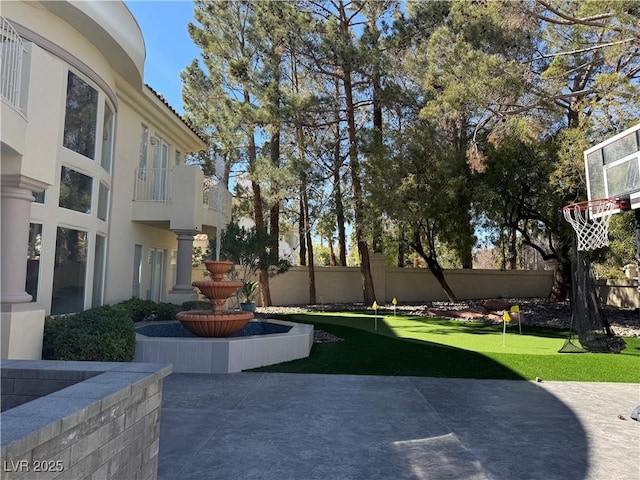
{"x": 621, "y": 293}
{"x": 342, "y": 285}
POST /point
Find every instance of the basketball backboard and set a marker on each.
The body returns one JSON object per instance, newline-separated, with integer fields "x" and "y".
{"x": 613, "y": 168}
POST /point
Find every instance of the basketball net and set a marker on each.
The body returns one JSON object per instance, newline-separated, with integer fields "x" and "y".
{"x": 590, "y": 220}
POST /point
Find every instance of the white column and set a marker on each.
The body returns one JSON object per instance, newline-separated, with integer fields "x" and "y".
{"x": 21, "y": 321}
{"x": 16, "y": 214}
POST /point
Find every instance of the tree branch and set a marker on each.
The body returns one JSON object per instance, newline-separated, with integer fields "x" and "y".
{"x": 582, "y": 50}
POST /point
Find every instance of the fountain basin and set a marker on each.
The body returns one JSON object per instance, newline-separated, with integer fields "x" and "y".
{"x": 205, "y": 324}
{"x": 225, "y": 355}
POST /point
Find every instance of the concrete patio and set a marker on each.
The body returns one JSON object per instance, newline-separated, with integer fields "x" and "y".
{"x": 287, "y": 426}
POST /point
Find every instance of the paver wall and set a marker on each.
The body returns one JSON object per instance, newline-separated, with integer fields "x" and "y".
{"x": 104, "y": 427}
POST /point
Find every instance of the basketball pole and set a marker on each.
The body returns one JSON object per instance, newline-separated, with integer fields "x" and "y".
{"x": 637, "y": 212}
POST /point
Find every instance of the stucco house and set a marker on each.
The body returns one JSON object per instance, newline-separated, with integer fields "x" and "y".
{"x": 98, "y": 205}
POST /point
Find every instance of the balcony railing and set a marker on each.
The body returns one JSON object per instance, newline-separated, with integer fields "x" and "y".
{"x": 151, "y": 185}
{"x": 11, "y": 58}
{"x": 215, "y": 197}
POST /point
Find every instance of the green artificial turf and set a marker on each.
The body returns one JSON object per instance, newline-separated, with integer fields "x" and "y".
{"x": 440, "y": 348}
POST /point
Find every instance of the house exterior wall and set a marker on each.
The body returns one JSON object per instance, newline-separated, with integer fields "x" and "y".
{"x": 99, "y": 45}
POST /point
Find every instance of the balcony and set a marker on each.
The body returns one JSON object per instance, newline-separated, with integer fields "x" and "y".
{"x": 178, "y": 198}
{"x": 14, "y": 78}
{"x": 12, "y": 53}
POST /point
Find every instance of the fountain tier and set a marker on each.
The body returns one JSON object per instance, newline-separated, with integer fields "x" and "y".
{"x": 216, "y": 322}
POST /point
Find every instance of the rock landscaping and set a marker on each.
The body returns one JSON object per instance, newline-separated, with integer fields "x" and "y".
{"x": 534, "y": 311}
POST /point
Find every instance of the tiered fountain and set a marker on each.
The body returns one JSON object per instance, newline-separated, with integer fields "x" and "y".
{"x": 215, "y": 322}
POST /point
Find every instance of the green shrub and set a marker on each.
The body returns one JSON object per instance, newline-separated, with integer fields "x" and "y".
{"x": 101, "y": 334}
{"x": 139, "y": 310}
{"x": 196, "y": 305}
{"x": 166, "y": 311}
{"x": 148, "y": 310}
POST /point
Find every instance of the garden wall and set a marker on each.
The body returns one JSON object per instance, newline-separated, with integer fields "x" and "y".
{"x": 619, "y": 292}
{"x": 84, "y": 420}
{"x": 342, "y": 285}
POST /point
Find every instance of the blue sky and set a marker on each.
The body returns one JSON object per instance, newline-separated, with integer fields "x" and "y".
{"x": 169, "y": 47}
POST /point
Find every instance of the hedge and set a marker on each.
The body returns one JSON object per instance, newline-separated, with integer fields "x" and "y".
{"x": 105, "y": 333}
{"x": 146, "y": 310}
{"x": 100, "y": 334}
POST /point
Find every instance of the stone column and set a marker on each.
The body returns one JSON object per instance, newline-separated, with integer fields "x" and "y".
{"x": 22, "y": 322}
{"x": 182, "y": 290}
{"x": 16, "y": 195}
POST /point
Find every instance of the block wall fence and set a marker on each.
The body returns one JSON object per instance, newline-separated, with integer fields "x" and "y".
{"x": 342, "y": 285}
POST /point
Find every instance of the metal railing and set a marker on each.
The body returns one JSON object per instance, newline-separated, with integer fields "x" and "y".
{"x": 11, "y": 57}
{"x": 215, "y": 197}
{"x": 151, "y": 185}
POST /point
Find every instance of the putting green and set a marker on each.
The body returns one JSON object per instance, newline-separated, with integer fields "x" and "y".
{"x": 473, "y": 336}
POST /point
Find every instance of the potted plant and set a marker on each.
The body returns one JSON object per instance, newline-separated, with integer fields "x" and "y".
{"x": 247, "y": 290}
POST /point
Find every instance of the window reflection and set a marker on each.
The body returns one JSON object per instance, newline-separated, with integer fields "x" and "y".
{"x": 80, "y": 117}
{"x": 38, "y": 197}
{"x": 33, "y": 260}
{"x": 107, "y": 138}
{"x": 69, "y": 271}
{"x": 75, "y": 190}
{"x": 103, "y": 201}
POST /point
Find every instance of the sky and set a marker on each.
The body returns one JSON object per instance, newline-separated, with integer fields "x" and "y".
{"x": 169, "y": 47}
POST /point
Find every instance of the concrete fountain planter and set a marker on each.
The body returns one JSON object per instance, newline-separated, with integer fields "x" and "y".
{"x": 213, "y": 350}
{"x": 226, "y": 355}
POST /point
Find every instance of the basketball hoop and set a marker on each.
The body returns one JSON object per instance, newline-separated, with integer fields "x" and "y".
{"x": 590, "y": 220}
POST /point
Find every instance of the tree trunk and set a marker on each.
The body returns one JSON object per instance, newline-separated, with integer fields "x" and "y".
{"x": 434, "y": 266}
{"x": 332, "y": 253}
{"x": 337, "y": 189}
{"x": 265, "y": 293}
{"x": 311, "y": 266}
{"x": 274, "y": 211}
{"x": 401, "y": 250}
{"x": 376, "y": 85}
{"x": 368, "y": 291}
{"x": 513, "y": 251}
{"x": 274, "y": 153}
{"x": 340, "y": 222}
{"x": 561, "y": 281}
{"x": 301, "y": 232}
{"x": 258, "y": 216}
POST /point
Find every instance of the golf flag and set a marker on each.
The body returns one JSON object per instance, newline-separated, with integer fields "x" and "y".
{"x": 506, "y": 318}
{"x": 375, "y": 317}
{"x": 394, "y": 301}
{"x": 516, "y": 309}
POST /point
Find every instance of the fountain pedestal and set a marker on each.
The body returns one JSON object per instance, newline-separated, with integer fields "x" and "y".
{"x": 215, "y": 322}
